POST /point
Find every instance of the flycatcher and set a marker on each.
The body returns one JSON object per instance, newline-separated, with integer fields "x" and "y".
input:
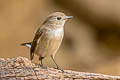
{"x": 48, "y": 37}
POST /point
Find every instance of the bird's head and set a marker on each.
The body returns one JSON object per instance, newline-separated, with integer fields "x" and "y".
{"x": 57, "y": 19}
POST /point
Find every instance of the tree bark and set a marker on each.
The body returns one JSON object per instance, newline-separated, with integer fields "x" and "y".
{"x": 21, "y": 68}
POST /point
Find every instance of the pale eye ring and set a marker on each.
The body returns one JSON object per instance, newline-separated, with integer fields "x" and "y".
{"x": 59, "y": 18}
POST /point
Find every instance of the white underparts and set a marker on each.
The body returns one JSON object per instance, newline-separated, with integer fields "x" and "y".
{"x": 58, "y": 32}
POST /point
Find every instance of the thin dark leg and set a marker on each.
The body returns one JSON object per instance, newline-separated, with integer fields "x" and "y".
{"x": 41, "y": 63}
{"x": 56, "y": 63}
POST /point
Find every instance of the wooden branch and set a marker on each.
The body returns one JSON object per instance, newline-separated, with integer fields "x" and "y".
{"x": 21, "y": 68}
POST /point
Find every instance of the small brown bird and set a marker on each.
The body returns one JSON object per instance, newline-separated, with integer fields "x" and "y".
{"x": 48, "y": 37}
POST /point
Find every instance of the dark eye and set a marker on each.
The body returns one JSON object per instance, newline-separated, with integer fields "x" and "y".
{"x": 59, "y": 18}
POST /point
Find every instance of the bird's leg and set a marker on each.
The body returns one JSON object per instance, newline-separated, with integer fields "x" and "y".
{"x": 54, "y": 62}
{"x": 57, "y": 67}
{"x": 41, "y": 63}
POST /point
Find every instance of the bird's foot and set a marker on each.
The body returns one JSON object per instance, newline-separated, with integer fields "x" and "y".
{"x": 43, "y": 67}
{"x": 59, "y": 69}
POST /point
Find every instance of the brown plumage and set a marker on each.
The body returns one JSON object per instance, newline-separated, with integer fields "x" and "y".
{"x": 49, "y": 36}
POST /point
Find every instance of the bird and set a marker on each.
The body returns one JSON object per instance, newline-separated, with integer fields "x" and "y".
{"x": 48, "y": 37}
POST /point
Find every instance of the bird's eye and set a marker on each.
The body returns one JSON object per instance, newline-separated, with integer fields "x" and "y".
{"x": 59, "y": 18}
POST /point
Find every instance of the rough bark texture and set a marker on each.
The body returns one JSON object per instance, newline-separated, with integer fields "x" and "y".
{"x": 21, "y": 68}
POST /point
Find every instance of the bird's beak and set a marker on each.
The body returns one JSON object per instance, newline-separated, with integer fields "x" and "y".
{"x": 69, "y": 17}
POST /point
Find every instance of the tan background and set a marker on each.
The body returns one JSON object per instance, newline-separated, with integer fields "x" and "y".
{"x": 92, "y": 37}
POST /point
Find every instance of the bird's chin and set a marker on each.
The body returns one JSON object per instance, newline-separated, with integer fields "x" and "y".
{"x": 55, "y": 26}
{"x": 60, "y": 26}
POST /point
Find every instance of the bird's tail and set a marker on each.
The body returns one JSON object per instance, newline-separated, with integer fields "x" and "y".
{"x": 27, "y": 44}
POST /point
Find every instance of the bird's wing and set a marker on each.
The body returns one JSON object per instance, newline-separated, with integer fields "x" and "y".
{"x": 34, "y": 43}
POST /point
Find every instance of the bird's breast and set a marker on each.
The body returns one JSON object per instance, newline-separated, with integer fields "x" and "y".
{"x": 50, "y": 42}
{"x": 56, "y": 33}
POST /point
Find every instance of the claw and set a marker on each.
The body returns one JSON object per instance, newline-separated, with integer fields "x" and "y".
{"x": 43, "y": 67}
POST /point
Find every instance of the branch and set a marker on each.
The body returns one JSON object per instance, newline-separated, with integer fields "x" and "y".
{"x": 21, "y": 68}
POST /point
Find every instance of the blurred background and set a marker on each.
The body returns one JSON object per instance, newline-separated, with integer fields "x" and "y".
{"x": 92, "y": 37}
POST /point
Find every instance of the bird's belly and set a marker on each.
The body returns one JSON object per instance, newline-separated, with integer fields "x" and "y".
{"x": 48, "y": 45}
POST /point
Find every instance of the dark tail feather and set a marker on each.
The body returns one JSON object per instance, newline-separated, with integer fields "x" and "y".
{"x": 27, "y": 44}
{"x": 23, "y": 44}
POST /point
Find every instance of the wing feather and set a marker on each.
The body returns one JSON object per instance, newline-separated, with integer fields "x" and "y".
{"x": 34, "y": 43}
